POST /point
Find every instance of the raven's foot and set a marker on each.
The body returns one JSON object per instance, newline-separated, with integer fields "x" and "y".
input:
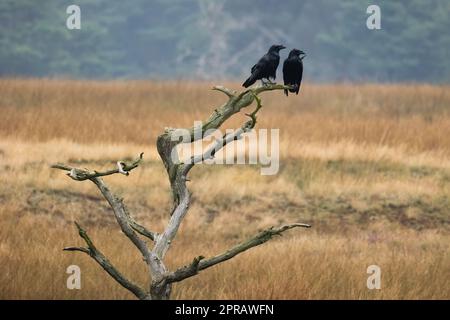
{"x": 267, "y": 82}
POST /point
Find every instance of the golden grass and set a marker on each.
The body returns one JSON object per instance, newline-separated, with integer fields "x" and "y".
{"x": 306, "y": 265}
{"x": 415, "y": 116}
{"x": 367, "y": 165}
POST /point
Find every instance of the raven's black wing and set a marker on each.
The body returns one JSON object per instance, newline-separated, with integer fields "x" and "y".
{"x": 299, "y": 68}
{"x": 288, "y": 73}
{"x": 273, "y": 66}
{"x": 292, "y": 73}
{"x": 258, "y": 71}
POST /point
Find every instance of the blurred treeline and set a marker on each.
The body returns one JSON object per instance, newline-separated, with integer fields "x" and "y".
{"x": 204, "y": 39}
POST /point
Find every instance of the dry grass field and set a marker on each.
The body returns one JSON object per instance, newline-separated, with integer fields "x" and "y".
{"x": 367, "y": 165}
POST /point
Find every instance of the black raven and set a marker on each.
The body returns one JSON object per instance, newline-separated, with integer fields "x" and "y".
{"x": 293, "y": 70}
{"x": 266, "y": 67}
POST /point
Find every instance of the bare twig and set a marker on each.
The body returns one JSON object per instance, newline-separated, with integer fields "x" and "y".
{"x": 92, "y": 251}
{"x": 228, "y": 92}
{"x": 200, "y": 263}
{"x": 83, "y": 174}
{"x": 139, "y": 228}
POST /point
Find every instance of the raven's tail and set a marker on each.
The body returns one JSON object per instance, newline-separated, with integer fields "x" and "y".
{"x": 251, "y": 80}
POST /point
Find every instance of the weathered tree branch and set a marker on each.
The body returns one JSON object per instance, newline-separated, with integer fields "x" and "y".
{"x": 127, "y": 224}
{"x": 92, "y": 251}
{"x": 221, "y": 143}
{"x": 234, "y": 105}
{"x": 83, "y": 174}
{"x": 200, "y": 263}
{"x": 178, "y": 172}
{"x": 139, "y": 228}
{"x": 122, "y": 217}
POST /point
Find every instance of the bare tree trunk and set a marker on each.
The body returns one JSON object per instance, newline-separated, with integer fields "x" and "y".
{"x": 161, "y": 277}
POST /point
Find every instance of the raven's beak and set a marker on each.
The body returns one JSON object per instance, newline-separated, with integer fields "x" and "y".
{"x": 282, "y": 47}
{"x": 303, "y": 55}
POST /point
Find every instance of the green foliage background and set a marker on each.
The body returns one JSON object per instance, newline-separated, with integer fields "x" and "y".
{"x": 222, "y": 39}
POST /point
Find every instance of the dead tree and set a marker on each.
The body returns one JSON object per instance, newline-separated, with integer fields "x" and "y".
{"x": 162, "y": 278}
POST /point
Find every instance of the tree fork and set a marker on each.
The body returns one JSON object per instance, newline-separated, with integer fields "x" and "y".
{"x": 161, "y": 277}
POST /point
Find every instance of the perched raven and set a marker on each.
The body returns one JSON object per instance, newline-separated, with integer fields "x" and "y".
{"x": 293, "y": 70}
{"x": 266, "y": 67}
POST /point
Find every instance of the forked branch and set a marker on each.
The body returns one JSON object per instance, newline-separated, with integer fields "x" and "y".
{"x": 127, "y": 224}
{"x": 84, "y": 174}
{"x": 178, "y": 171}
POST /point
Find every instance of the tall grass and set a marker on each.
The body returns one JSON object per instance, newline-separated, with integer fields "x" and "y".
{"x": 367, "y": 165}
{"x": 416, "y": 116}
